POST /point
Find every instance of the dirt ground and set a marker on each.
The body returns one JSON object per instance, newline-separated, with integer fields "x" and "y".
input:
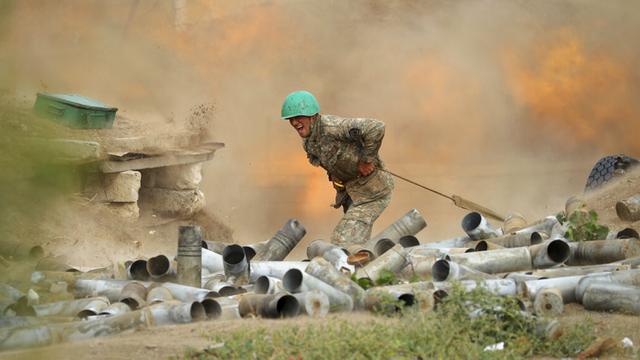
{"x": 170, "y": 341}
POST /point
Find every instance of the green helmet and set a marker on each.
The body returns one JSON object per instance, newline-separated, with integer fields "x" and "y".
{"x": 299, "y": 103}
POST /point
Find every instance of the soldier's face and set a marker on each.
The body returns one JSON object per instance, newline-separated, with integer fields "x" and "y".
{"x": 302, "y": 125}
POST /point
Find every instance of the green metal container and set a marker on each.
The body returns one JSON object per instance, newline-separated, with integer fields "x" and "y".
{"x": 75, "y": 111}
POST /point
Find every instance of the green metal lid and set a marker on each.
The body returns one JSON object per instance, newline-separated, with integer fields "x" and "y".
{"x": 78, "y": 101}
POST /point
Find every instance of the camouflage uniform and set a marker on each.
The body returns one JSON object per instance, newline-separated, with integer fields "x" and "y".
{"x": 333, "y": 145}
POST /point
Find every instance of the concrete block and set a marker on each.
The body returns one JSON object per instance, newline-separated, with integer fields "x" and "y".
{"x": 172, "y": 203}
{"x": 179, "y": 177}
{"x": 122, "y": 187}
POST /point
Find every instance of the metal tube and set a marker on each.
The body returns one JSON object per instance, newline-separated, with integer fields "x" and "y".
{"x": 189, "y": 257}
{"x": 158, "y": 294}
{"x": 222, "y": 288}
{"x": 602, "y": 251}
{"x": 484, "y": 245}
{"x": 577, "y": 270}
{"x": 296, "y": 281}
{"x": 252, "y": 249}
{"x": 281, "y": 244}
{"x": 275, "y": 269}
{"x": 382, "y": 246}
{"x": 393, "y": 260}
{"x": 212, "y": 309}
{"x": 134, "y": 295}
{"x": 419, "y": 265}
{"x": 513, "y": 222}
{"x": 228, "y": 308}
{"x": 612, "y": 297}
{"x": 566, "y": 285}
{"x": 496, "y": 261}
{"x": 629, "y": 209}
{"x": 268, "y": 285}
{"x": 160, "y": 266}
{"x": 95, "y": 287}
{"x": 550, "y": 253}
{"x": 332, "y": 253}
{"x": 500, "y": 287}
{"x": 627, "y": 233}
{"x": 458, "y": 242}
{"x": 625, "y": 277}
{"x": 115, "y": 309}
{"x": 409, "y": 241}
{"x": 314, "y": 303}
{"x": 272, "y": 306}
{"x": 477, "y": 227}
{"x": 66, "y": 308}
{"x": 236, "y": 266}
{"x": 410, "y": 223}
{"x": 93, "y": 308}
{"x": 137, "y": 270}
{"x": 547, "y": 225}
{"x": 212, "y": 261}
{"x": 325, "y": 271}
{"x": 187, "y": 293}
{"x": 548, "y": 302}
{"x": 172, "y": 312}
{"x": 444, "y": 270}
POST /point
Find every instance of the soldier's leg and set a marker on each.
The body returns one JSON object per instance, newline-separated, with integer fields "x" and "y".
{"x": 355, "y": 226}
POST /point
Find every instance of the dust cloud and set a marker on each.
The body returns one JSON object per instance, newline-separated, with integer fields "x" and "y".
{"x": 508, "y": 103}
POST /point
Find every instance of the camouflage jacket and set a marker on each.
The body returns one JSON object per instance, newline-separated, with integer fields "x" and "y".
{"x": 335, "y": 146}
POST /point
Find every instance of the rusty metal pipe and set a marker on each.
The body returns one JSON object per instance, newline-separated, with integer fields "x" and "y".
{"x": 602, "y": 251}
{"x": 325, "y": 271}
{"x": 236, "y": 265}
{"x": 296, "y": 281}
{"x": 189, "y": 259}
{"x": 477, "y": 227}
{"x": 281, "y": 244}
{"x": 444, "y": 270}
{"x": 550, "y": 253}
{"x": 496, "y": 261}
{"x": 393, "y": 260}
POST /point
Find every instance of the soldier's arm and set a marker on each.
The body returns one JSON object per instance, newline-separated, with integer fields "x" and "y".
{"x": 371, "y": 132}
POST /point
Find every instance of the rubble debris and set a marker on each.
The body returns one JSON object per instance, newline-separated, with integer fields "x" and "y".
{"x": 629, "y": 209}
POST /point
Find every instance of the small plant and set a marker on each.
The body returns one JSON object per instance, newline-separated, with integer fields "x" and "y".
{"x": 386, "y": 277}
{"x": 583, "y": 226}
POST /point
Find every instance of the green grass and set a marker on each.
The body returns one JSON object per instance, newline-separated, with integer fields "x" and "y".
{"x": 448, "y": 333}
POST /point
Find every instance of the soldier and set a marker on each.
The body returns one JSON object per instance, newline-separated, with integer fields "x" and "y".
{"x": 347, "y": 148}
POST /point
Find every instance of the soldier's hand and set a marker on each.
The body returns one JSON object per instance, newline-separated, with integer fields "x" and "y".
{"x": 365, "y": 168}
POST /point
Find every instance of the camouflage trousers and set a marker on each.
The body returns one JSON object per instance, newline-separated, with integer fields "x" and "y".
{"x": 355, "y": 226}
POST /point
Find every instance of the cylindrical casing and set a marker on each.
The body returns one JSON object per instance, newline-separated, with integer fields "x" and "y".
{"x": 281, "y": 244}
{"x": 93, "y": 308}
{"x": 222, "y": 288}
{"x": 513, "y": 222}
{"x": 629, "y": 209}
{"x": 187, "y": 293}
{"x": 175, "y": 312}
{"x": 577, "y": 270}
{"x": 501, "y": 287}
{"x": 477, "y": 227}
{"x": 268, "y": 306}
{"x": 134, "y": 295}
{"x": 624, "y": 277}
{"x": 211, "y": 308}
{"x": 382, "y": 246}
{"x": 550, "y": 253}
{"x": 275, "y": 269}
{"x": 566, "y": 285}
{"x": 545, "y": 225}
{"x": 115, "y": 309}
{"x": 612, "y": 297}
{"x": 137, "y": 270}
{"x": 548, "y": 302}
{"x": 444, "y": 270}
{"x": 602, "y": 251}
{"x": 378, "y": 298}
{"x": 452, "y": 251}
{"x": 160, "y": 266}
{"x": 409, "y": 224}
{"x": 48, "y": 278}
{"x": 393, "y": 260}
{"x": 96, "y": 287}
{"x": 314, "y": 303}
{"x": 252, "y": 249}
{"x": 409, "y": 241}
{"x": 268, "y": 285}
{"x": 228, "y": 307}
{"x": 215, "y": 246}
{"x": 627, "y": 233}
{"x": 66, "y": 308}
{"x": 496, "y": 261}
{"x": 158, "y": 294}
{"x": 211, "y": 261}
{"x": 189, "y": 257}
{"x": 484, "y": 245}
{"x": 296, "y": 281}
{"x": 236, "y": 265}
{"x": 324, "y": 270}
{"x": 419, "y": 265}
{"x": 513, "y": 240}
